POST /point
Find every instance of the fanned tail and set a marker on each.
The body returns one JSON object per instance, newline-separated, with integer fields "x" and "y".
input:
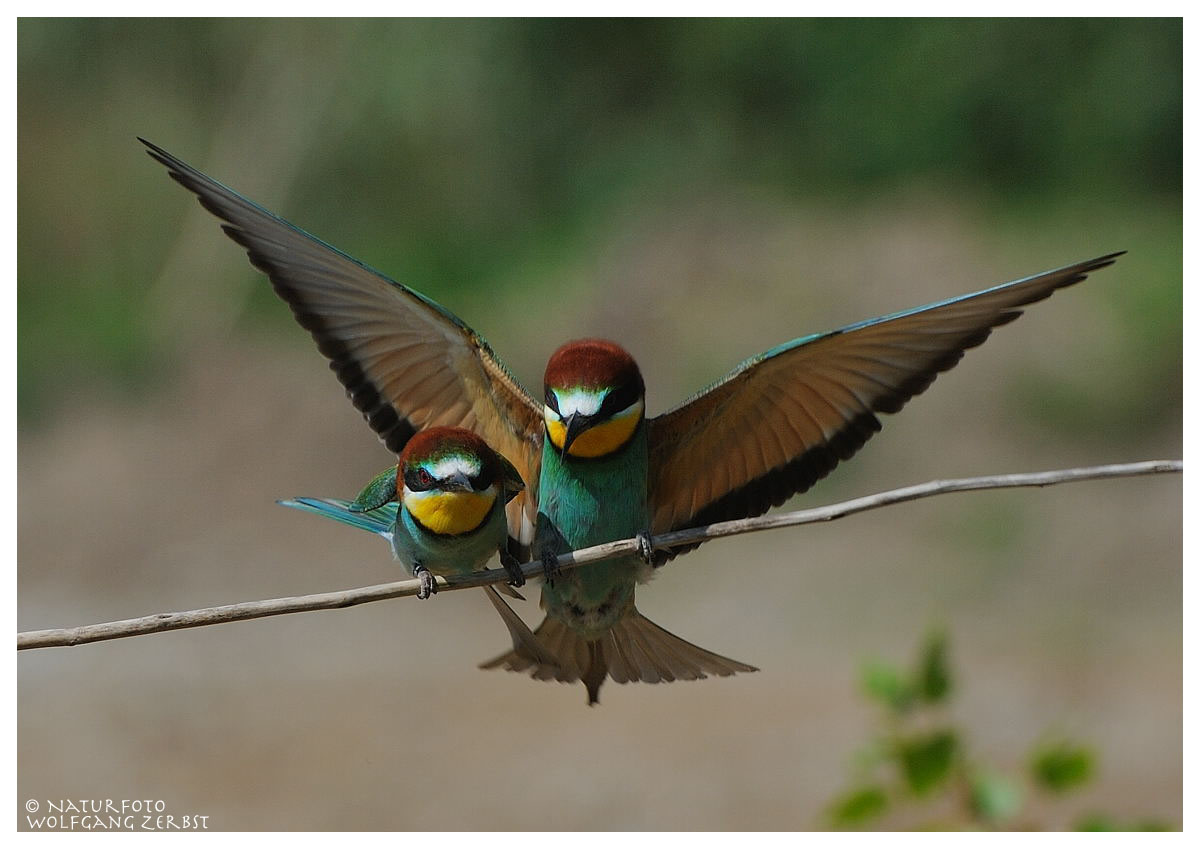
{"x": 635, "y": 649}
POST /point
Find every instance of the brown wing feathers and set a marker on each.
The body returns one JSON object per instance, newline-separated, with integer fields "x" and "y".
{"x": 782, "y": 421}
{"x": 283, "y": 253}
{"x": 406, "y": 363}
{"x": 770, "y": 429}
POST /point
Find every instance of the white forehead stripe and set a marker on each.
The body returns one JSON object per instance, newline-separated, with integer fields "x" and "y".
{"x": 585, "y": 402}
{"x": 447, "y": 466}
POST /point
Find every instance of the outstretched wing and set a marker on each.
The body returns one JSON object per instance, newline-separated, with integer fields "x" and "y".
{"x": 406, "y": 362}
{"x": 781, "y": 421}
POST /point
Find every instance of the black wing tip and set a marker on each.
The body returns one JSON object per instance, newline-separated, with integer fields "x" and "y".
{"x": 185, "y": 175}
{"x": 1099, "y": 262}
{"x": 159, "y": 154}
{"x": 1079, "y": 271}
{"x": 1061, "y": 278}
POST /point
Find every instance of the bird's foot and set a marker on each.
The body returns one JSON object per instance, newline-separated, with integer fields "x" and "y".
{"x": 428, "y": 584}
{"x": 516, "y": 578}
{"x": 646, "y": 547}
{"x": 550, "y": 567}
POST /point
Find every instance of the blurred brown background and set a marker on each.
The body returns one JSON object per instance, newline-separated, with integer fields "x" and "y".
{"x": 698, "y": 191}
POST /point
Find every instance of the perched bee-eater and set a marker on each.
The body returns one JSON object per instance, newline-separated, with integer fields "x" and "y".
{"x": 595, "y": 466}
{"x": 451, "y": 490}
{"x": 442, "y": 509}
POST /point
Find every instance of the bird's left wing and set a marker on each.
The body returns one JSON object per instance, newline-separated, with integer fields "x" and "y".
{"x": 406, "y": 362}
{"x": 781, "y": 421}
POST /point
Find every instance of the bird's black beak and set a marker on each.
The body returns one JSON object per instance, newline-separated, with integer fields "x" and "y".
{"x": 457, "y": 482}
{"x": 576, "y": 424}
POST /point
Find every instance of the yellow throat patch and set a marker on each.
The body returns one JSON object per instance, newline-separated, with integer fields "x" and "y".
{"x": 450, "y": 512}
{"x": 600, "y": 439}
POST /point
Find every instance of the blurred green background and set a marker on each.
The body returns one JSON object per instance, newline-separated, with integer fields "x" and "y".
{"x": 698, "y": 191}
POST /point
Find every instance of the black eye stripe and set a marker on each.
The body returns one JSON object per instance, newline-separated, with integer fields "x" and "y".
{"x": 617, "y": 400}
{"x": 412, "y": 480}
{"x": 552, "y": 400}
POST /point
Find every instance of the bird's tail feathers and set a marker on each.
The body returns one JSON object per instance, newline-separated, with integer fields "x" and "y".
{"x": 634, "y": 649}
{"x": 525, "y": 643}
{"x": 378, "y": 521}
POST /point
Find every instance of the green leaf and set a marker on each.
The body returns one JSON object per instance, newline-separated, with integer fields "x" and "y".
{"x": 933, "y": 673}
{"x": 1060, "y": 767}
{"x": 858, "y": 807}
{"x": 926, "y": 760}
{"x": 886, "y": 685}
{"x": 994, "y": 798}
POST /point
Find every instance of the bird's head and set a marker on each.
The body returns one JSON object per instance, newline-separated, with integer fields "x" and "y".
{"x": 451, "y": 479}
{"x": 595, "y": 398}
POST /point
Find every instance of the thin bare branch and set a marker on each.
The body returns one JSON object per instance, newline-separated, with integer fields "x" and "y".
{"x": 348, "y": 598}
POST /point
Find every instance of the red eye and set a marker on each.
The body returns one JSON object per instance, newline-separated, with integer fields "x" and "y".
{"x": 424, "y": 478}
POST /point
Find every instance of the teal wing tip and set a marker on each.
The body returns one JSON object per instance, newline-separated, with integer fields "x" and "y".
{"x": 298, "y": 501}
{"x": 305, "y": 503}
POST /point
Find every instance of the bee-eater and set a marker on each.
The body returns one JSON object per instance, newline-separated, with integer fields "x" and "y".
{"x": 595, "y": 466}
{"x": 441, "y": 507}
{"x": 451, "y": 489}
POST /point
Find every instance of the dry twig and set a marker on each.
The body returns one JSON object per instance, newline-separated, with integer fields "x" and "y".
{"x": 348, "y": 598}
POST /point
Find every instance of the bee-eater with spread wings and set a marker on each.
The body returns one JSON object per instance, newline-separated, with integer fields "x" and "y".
{"x": 596, "y": 469}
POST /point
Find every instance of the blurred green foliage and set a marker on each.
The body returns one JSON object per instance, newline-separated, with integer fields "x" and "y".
{"x": 926, "y": 759}
{"x": 930, "y": 683}
{"x": 478, "y": 153}
{"x": 1103, "y": 822}
{"x": 859, "y": 806}
{"x": 1059, "y": 767}
{"x": 919, "y": 769}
